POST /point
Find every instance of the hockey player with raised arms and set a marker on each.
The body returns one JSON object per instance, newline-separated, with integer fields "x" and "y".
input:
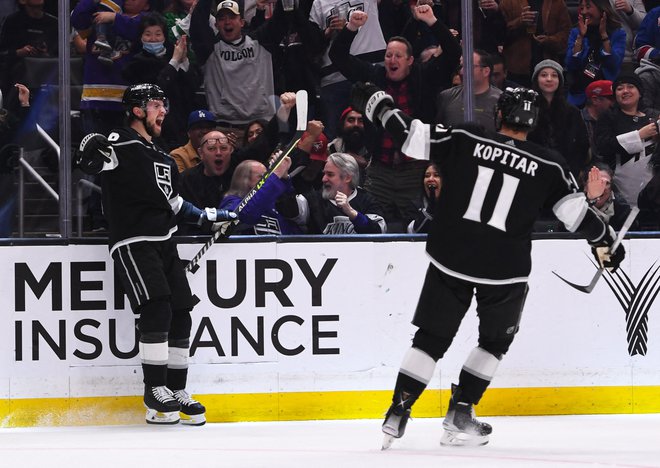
{"x": 142, "y": 207}
{"x": 493, "y": 188}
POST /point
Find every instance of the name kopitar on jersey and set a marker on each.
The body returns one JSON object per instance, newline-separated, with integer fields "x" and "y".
{"x": 505, "y": 157}
{"x": 236, "y": 55}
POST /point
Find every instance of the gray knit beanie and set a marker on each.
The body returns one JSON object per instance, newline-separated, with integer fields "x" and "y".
{"x": 547, "y": 63}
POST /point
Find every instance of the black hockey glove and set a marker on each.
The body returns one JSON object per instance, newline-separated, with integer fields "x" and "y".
{"x": 601, "y": 251}
{"x": 217, "y": 220}
{"x": 9, "y": 155}
{"x": 369, "y": 100}
{"x": 94, "y": 153}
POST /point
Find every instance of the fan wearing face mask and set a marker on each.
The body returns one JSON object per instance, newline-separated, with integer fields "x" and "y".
{"x": 160, "y": 62}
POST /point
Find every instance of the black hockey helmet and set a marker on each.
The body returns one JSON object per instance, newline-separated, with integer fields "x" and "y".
{"x": 138, "y": 95}
{"x": 518, "y": 108}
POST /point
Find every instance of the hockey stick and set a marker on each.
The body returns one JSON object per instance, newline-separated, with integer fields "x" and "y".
{"x": 224, "y": 231}
{"x": 619, "y": 237}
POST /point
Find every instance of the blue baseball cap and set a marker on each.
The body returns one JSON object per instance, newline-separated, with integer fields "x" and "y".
{"x": 201, "y": 115}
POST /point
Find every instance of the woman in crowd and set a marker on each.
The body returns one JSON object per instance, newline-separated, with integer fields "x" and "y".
{"x": 431, "y": 185}
{"x": 627, "y": 136}
{"x": 560, "y": 125}
{"x": 158, "y": 62}
{"x": 596, "y": 48}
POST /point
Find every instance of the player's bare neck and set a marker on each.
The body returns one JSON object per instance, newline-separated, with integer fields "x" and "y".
{"x": 138, "y": 126}
{"x": 514, "y": 133}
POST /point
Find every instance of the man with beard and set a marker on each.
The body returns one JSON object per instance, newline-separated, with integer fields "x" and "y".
{"x": 341, "y": 207}
{"x": 351, "y": 139}
{"x": 142, "y": 206}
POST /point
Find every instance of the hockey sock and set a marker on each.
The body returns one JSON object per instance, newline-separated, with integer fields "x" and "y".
{"x": 154, "y": 355}
{"x": 478, "y": 370}
{"x": 177, "y": 364}
{"x": 415, "y": 373}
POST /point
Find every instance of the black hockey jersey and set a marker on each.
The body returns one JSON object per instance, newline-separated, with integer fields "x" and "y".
{"x": 139, "y": 194}
{"x": 493, "y": 189}
{"x": 325, "y": 217}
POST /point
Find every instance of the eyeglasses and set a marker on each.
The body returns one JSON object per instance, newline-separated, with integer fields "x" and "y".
{"x": 215, "y": 141}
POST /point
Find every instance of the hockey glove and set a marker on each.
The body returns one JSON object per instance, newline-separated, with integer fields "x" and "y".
{"x": 603, "y": 255}
{"x": 371, "y": 101}
{"x": 217, "y": 220}
{"x": 95, "y": 154}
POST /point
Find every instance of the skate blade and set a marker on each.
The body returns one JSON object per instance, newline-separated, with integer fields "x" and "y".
{"x": 158, "y": 417}
{"x": 387, "y": 441}
{"x": 192, "y": 419}
{"x": 462, "y": 439}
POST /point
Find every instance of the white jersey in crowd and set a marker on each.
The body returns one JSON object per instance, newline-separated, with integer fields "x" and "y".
{"x": 369, "y": 39}
{"x": 238, "y": 79}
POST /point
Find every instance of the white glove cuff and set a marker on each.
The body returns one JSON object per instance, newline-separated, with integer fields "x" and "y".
{"x": 374, "y": 102}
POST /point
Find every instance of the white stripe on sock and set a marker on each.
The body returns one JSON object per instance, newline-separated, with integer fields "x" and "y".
{"x": 482, "y": 364}
{"x": 178, "y": 358}
{"x": 418, "y": 365}
{"x": 154, "y": 353}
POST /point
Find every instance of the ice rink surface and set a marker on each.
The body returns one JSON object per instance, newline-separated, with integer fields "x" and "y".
{"x": 545, "y": 441}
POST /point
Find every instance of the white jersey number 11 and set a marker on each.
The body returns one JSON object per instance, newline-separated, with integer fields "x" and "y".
{"x": 504, "y": 199}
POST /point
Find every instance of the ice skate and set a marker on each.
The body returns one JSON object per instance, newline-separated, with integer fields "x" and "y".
{"x": 162, "y": 407}
{"x": 192, "y": 411}
{"x": 461, "y": 426}
{"x": 396, "y": 419}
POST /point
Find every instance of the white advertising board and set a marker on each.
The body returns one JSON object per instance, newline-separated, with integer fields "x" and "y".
{"x": 316, "y": 317}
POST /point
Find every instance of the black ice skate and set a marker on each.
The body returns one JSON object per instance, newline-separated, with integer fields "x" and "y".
{"x": 192, "y": 411}
{"x": 461, "y": 426}
{"x": 101, "y": 44}
{"x": 396, "y": 418}
{"x": 162, "y": 407}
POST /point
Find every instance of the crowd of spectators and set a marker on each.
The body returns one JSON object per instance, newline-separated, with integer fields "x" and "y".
{"x": 230, "y": 69}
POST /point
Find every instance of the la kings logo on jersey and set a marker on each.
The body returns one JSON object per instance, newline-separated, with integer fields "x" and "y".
{"x": 164, "y": 178}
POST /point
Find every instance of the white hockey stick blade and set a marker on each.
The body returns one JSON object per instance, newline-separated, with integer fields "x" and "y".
{"x": 387, "y": 441}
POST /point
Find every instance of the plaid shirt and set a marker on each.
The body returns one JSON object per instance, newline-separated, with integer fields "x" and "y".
{"x": 390, "y": 154}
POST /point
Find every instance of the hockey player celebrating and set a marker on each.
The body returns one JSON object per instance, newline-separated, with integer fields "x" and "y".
{"x": 494, "y": 185}
{"x": 141, "y": 205}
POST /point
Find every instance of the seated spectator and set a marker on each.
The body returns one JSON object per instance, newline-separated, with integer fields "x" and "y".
{"x": 260, "y": 215}
{"x": 599, "y": 100}
{"x": 341, "y": 207}
{"x": 626, "y": 137}
{"x": 160, "y": 63}
{"x": 596, "y": 48}
{"x": 560, "y": 125}
{"x": 393, "y": 177}
{"x": 451, "y": 110}
{"x": 200, "y": 122}
{"x": 30, "y": 32}
{"x": 206, "y": 183}
{"x": 533, "y": 34}
{"x": 598, "y": 189}
{"x": 431, "y": 186}
{"x": 351, "y": 139}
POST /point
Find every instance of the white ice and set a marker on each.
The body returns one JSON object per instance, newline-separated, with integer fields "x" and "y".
{"x": 543, "y": 441}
